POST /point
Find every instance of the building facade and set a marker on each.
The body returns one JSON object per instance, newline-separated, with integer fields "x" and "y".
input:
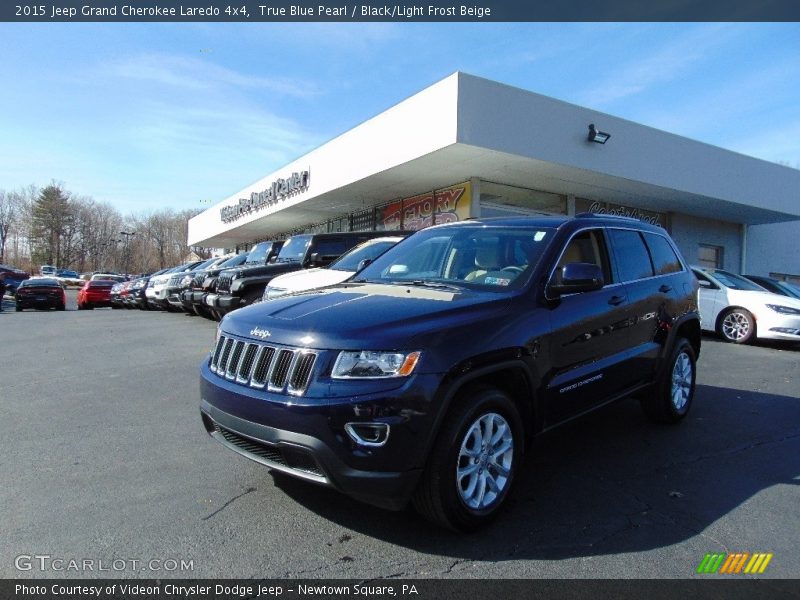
{"x": 469, "y": 147}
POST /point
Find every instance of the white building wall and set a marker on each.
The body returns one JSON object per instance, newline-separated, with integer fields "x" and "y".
{"x": 688, "y": 232}
{"x": 773, "y": 248}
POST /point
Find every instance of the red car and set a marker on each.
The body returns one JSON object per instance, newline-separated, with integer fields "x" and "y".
{"x": 95, "y": 293}
{"x": 40, "y": 293}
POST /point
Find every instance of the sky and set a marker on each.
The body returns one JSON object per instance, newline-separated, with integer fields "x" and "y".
{"x": 152, "y": 116}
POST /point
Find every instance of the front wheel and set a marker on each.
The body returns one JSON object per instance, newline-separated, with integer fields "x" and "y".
{"x": 738, "y": 326}
{"x": 473, "y": 462}
{"x": 671, "y": 398}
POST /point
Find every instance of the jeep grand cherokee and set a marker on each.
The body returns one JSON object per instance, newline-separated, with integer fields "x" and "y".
{"x": 424, "y": 378}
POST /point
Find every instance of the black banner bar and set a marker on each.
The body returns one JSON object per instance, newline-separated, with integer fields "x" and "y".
{"x": 44, "y": 11}
{"x": 713, "y": 587}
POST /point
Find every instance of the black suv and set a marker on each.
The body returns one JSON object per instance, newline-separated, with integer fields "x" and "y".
{"x": 245, "y": 285}
{"x": 425, "y": 377}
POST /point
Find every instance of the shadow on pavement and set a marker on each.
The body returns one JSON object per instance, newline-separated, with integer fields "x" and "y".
{"x": 610, "y": 483}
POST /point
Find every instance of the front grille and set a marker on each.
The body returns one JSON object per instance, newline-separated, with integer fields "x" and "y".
{"x": 290, "y": 459}
{"x": 263, "y": 366}
{"x": 175, "y": 281}
{"x": 224, "y": 282}
{"x": 197, "y": 280}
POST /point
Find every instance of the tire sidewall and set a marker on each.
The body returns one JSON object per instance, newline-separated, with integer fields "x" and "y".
{"x": 682, "y": 346}
{"x": 484, "y": 401}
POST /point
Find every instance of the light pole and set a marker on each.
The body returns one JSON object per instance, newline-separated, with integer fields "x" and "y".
{"x": 125, "y": 257}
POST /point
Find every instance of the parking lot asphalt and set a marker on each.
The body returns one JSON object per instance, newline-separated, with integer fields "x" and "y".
{"x": 105, "y": 459}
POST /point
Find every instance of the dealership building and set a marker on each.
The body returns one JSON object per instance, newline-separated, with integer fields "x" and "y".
{"x": 468, "y": 147}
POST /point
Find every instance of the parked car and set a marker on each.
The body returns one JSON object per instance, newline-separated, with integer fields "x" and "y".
{"x": 742, "y": 311}
{"x": 13, "y": 277}
{"x": 424, "y": 377}
{"x": 204, "y": 285}
{"x": 339, "y": 270}
{"x": 179, "y": 282}
{"x": 136, "y": 297}
{"x": 40, "y": 293}
{"x": 48, "y": 271}
{"x": 108, "y": 277}
{"x": 245, "y": 285}
{"x": 156, "y": 290}
{"x": 95, "y": 294}
{"x": 776, "y": 286}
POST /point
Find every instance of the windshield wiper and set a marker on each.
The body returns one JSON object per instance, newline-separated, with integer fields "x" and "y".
{"x": 432, "y": 284}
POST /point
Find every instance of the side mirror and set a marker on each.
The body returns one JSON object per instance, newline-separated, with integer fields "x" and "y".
{"x": 576, "y": 278}
{"x": 363, "y": 264}
{"x": 704, "y": 284}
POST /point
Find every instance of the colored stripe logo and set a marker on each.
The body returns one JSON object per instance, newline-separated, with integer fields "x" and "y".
{"x": 731, "y": 564}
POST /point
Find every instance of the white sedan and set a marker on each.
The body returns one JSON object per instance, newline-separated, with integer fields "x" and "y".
{"x": 343, "y": 268}
{"x": 740, "y": 311}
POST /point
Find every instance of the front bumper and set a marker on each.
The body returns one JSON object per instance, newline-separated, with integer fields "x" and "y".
{"x": 227, "y": 303}
{"x": 306, "y": 438}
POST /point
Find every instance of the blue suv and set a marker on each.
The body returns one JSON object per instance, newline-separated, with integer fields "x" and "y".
{"x": 424, "y": 378}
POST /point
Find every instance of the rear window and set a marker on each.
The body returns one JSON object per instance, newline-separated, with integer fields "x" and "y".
{"x": 664, "y": 258}
{"x": 101, "y": 283}
{"x": 633, "y": 259}
{"x": 40, "y": 283}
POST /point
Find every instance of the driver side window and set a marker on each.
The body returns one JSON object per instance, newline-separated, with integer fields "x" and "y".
{"x": 586, "y": 247}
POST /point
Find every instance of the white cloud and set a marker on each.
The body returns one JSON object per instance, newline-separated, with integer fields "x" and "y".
{"x": 191, "y": 73}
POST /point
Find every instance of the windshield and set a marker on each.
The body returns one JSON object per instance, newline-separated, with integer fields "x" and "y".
{"x": 294, "y": 249}
{"x": 234, "y": 261}
{"x": 735, "y": 282}
{"x": 366, "y": 251}
{"x": 790, "y": 289}
{"x": 476, "y": 257}
{"x": 259, "y": 252}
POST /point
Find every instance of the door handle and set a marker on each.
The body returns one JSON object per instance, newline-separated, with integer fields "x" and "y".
{"x": 616, "y": 300}
{"x": 665, "y": 288}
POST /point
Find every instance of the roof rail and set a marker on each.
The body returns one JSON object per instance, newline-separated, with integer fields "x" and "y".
{"x": 589, "y": 215}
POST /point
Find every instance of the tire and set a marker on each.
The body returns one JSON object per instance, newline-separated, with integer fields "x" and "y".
{"x": 671, "y": 398}
{"x": 61, "y": 307}
{"x": 455, "y": 490}
{"x": 737, "y": 325}
{"x": 19, "y": 308}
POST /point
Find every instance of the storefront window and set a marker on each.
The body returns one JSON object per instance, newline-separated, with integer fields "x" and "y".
{"x": 500, "y": 200}
{"x": 709, "y": 256}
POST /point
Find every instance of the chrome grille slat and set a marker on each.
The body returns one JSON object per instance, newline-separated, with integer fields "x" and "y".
{"x": 217, "y": 352}
{"x": 248, "y": 360}
{"x": 223, "y": 359}
{"x": 233, "y": 362}
{"x": 257, "y": 365}
{"x": 301, "y": 373}
{"x": 263, "y": 367}
{"x": 280, "y": 372}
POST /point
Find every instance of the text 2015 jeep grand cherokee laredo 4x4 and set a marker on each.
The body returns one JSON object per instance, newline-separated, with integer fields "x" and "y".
{"x": 424, "y": 377}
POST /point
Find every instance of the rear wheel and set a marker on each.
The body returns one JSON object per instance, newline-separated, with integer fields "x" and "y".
{"x": 671, "y": 398}
{"x": 737, "y": 325}
{"x": 19, "y": 308}
{"x": 473, "y": 462}
{"x": 61, "y": 307}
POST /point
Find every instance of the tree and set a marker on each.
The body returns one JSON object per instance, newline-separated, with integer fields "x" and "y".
{"x": 10, "y": 210}
{"x": 52, "y": 225}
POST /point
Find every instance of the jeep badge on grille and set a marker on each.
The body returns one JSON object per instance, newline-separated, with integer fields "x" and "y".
{"x": 260, "y": 333}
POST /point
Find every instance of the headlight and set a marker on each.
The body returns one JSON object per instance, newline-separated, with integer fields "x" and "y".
{"x": 367, "y": 364}
{"x": 784, "y": 310}
{"x": 274, "y": 292}
{"x": 186, "y": 281}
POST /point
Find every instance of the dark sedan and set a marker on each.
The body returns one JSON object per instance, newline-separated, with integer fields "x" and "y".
{"x": 41, "y": 293}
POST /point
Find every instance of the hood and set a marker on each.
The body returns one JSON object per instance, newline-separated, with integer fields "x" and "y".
{"x": 309, "y": 279}
{"x": 268, "y": 269}
{"x": 363, "y": 315}
{"x": 749, "y": 298}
